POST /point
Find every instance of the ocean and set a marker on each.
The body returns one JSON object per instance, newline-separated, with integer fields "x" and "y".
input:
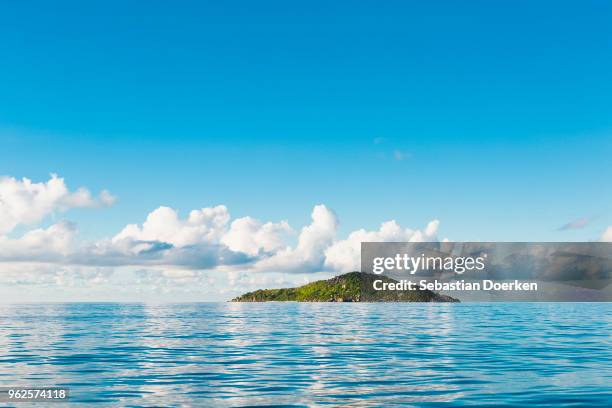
{"x": 312, "y": 354}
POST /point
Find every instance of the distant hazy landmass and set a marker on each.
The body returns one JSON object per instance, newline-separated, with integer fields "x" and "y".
{"x": 350, "y": 287}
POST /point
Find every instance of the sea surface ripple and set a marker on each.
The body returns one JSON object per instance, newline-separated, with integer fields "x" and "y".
{"x": 309, "y": 354}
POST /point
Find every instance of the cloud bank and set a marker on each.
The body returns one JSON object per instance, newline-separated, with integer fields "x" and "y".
{"x": 191, "y": 253}
{"x": 205, "y": 239}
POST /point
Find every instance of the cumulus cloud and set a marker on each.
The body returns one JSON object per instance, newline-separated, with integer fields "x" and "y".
{"x": 309, "y": 253}
{"x": 26, "y": 202}
{"x": 156, "y": 253}
{"x": 207, "y": 240}
{"x": 50, "y": 244}
{"x": 199, "y": 241}
{"x": 206, "y": 225}
{"x": 204, "y": 239}
{"x": 253, "y": 237}
{"x": 344, "y": 255}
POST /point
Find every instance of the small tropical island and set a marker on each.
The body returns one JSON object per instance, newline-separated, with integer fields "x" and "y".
{"x": 349, "y": 287}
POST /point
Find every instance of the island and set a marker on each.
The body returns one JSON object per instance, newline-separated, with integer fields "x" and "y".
{"x": 349, "y": 287}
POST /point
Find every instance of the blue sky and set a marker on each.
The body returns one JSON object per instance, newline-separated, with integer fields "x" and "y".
{"x": 500, "y": 114}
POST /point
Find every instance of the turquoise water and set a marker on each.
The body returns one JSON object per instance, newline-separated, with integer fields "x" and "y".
{"x": 227, "y": 354}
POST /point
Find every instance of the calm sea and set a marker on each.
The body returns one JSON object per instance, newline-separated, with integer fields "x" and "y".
{"x": 228, "y": 354}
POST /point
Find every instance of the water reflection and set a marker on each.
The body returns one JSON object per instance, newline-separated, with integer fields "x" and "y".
{"x": 310, "y": 354}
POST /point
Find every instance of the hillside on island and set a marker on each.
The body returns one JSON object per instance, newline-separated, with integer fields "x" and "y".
{"x": 350, "y": 287}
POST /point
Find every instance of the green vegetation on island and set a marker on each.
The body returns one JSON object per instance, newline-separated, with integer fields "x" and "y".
{"x": 350, "y": 287}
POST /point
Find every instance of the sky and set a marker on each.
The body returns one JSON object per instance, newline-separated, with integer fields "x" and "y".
{"x": 469, "y": 121}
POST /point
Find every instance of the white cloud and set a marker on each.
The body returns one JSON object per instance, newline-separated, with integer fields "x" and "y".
{"x": 25, "y": 202}
{"x": 41, "y": 244}
{"x": 252, "y": 237}
{"x": 607, "y": 235}
{"x": 206, "y": 239}
{"x": 344, "y": 255}
{"x": 206, "y": 225}
{"x": 309, "y": 253}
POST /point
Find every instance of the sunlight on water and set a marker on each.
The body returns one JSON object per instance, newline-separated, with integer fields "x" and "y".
{"x": 232, "y": 354}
